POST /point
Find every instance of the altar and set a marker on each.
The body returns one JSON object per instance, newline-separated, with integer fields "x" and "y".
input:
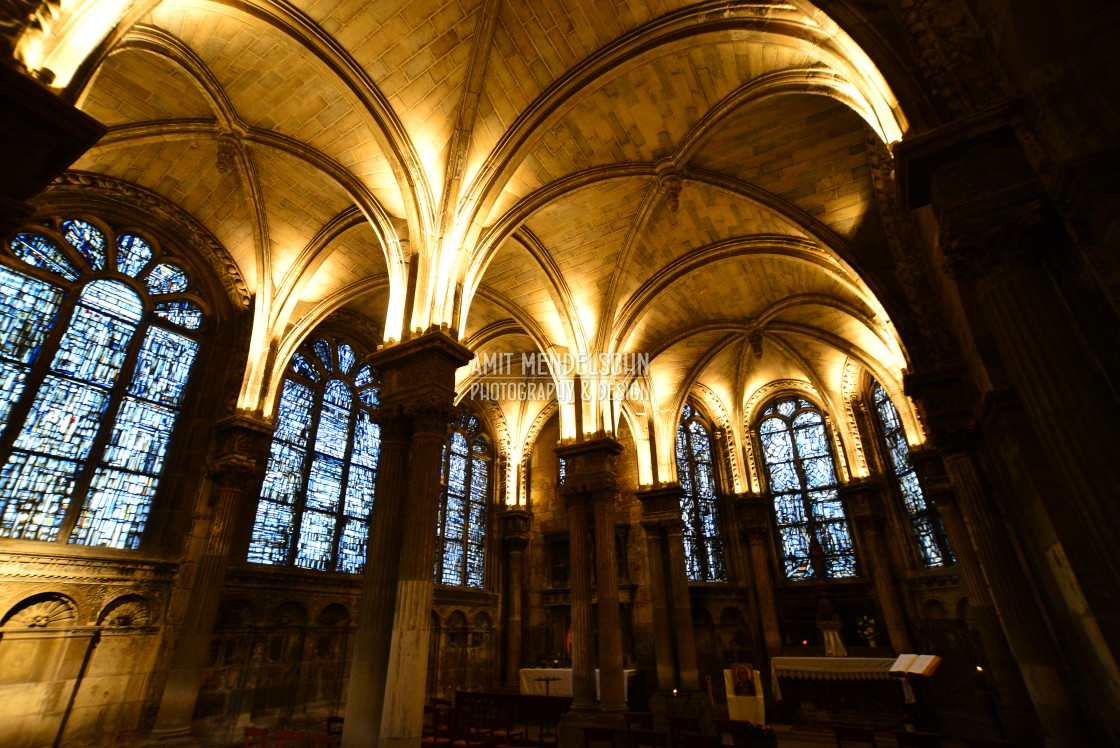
{"x": 817, "y": 685}
{"x": 557, "y": 681}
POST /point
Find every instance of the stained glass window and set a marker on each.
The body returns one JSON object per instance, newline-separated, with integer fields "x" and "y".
{"x": 933, "y": 546}
{"x": 816, "y": 540}
{"x": 462, "y": 514}
{"x": 318, "y": 487}
{"x": 703, "y": 548}
{"x": 92, "y": 379}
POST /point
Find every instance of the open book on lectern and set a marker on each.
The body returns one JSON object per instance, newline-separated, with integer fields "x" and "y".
{"x": 918, "y": 665}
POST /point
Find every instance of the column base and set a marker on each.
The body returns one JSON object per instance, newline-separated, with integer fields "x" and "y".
{"x": 570, "y": 730}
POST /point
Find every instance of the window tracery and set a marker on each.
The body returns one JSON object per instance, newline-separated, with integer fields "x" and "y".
{"x": 933, "y": 546}
{"x": 460, "y": 559}
{"x": 322, "y": 467}
{"x": 98, "y": 338}
{"x": 703, "y": 547}
{"x": 815, "y": 537}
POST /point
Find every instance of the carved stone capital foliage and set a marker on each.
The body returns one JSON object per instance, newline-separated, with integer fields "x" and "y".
{"x": 590, "y": 492}
{"x": 420, "y": 370}
{"x": 754, "y": 515}
{"x": 663, "y": 501}
{"x": 864, "y": 500}
{"x": 235, "y": 472}
{"x": 1009, "y": 241}
{"x": 945, "y": 397}
{"x": 241, "y": 444}
{"x": 956, "y": 439}
{"x": 515, "y": 528}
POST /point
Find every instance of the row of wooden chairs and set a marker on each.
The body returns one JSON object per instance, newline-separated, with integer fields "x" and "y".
{"x": 259, "y": 737}
{"x": 847, "y": 736}
{"x": 484, "y": 720}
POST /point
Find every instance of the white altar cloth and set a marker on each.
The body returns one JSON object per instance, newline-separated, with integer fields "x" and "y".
{"x": 829, "y": 668}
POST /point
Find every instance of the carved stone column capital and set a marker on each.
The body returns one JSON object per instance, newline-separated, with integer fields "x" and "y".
{"x": 515, "y": 528}
{"x": 1011, "y": 240}
{"x": 864, "y": 500}
{"x": 754, "y": 515}
{"x": 241, "y": 446}
{"x": 661, "y": 501}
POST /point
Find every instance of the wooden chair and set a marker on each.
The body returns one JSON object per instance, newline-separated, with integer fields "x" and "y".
{"x": 990, "y": 743}
{"x": 289, "y": 739}
{"x": 862, "y": 735}
{"x": 321, "y": 740}
{"x": 640, "y": 738}
{"x": 692, "y": 740}
{"x": 917, "y": 739}
{"x": 680, "y": 725}
{"x": 256, "y": 737}
{"x": 738, "y": 729}
{"x": 640, "y": 720}
{"x": 334, "y": 725}
{"x": 437, "y": 726}
{"x": 504, "y": 728}
{"x": 598, "y": 735}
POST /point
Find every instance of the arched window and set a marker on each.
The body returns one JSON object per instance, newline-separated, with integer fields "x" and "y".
{"x": 98, "y": 336}
{"x": 932, "y": 544}
{"x": 703, "y": 549}
{"x": 462, "y": 513}
{"x": 816, "y": 541}
{"x": 318, "y": 487}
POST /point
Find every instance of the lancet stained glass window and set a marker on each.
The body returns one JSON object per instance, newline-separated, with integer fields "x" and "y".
{"x": 816, "y": 540}
{"x": 462, "y": 514}
{"x": 92, "y": 380}
{"x": 932, "y": 543}
{"x": 703, "y": 548}
{"x": 318, "y": 486}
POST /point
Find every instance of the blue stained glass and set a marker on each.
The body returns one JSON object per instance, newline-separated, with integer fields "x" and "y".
{"x": 359, "y": 492}
{"x": 88, "y": 240}
{"x": 369, "y": 397}
{"x": 40, "y": 252}
{"x": 94, "y": 347}
{"x": 283, "y": 476}
{"x": 140, "y": 435}
{"x": 116, "y": 509}
{"x": 352, "y": 546}
{"x": 329, "y": 496}
{"x": 27, "y": 308}
{"x": 133, "y": 254}
{"x": 364, "y": 376}
{"x": 316, "y": 540}
{"x": 453, "y": 524}
{"x": 367, "y": 441}
{"x": 323, "y": 351}
{"x": 272, "y": 532}
{"x": 294, "y": 419}
{"x": 479, "y": 479}
{"x": 302, "y": 366}
{"x": 702, "y": 544}
{"x": 345, "y": 358}
{"x": 932, "y": 544}
{"x": 163, "y": 367}
{"x": 34, "y": 492}
{"x": 452, "y": 564}
{"x": 456, "y": 474}
{"x": 166, "y": 278}
{"x": 183, "y": 313}
{"x": 64, "y": 419}
{"x": 802, "y": 479}
{"x": 334, "y": 431}
{"x": 324, "y": 483}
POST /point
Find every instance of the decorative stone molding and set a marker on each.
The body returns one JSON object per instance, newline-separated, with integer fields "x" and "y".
{"x": 140, "y": 199}
{"x": 45, "y": 611}
{"x": 129, "y": 611}
{"x": 980, "y": 251}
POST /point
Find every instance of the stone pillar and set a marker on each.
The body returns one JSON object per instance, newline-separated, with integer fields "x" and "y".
{"x": 579, "y": 569}
{"x": 1032, "y": 650}
{"x": 754, "y": 514}
{"x": 864, "y": 500}
{"x": 682, "y": 606}
{"x": 590, "y": 486}
{"x": 612, "y": 686}
{"x": 515, "y": 537}
{"x": 999, "y": 236}
{"x": 242, "y": 444}
{"x": 385, "y": 703}
{"x": 659, "y": 504}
